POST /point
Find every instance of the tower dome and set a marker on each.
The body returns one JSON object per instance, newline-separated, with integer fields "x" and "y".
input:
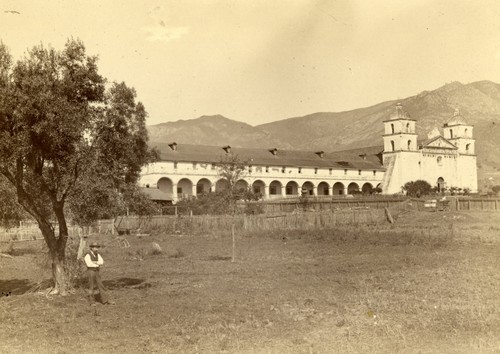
{"x": 457, "y": 119}
{"x": 400, "y": 113}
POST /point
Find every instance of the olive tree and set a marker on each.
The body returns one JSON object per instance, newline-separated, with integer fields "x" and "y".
{"x": 62, "y": 130}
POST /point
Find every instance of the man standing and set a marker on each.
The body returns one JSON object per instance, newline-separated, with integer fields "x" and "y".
{"x": 94, "y": 261}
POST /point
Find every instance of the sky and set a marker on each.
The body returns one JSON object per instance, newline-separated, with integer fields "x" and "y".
{"x": 259, "y": 61}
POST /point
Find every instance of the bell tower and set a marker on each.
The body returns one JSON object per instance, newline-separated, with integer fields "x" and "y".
{"x": 401, "y": 153}
{"x": 459, "y": 133}
{"x": 399, "y": 132}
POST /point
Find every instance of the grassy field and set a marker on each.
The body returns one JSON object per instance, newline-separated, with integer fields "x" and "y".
{"x": 428, "y": 283}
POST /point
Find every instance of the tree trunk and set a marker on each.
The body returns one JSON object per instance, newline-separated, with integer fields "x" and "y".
{"x": 58, "y": 255}
{"x": 59, "y": 275}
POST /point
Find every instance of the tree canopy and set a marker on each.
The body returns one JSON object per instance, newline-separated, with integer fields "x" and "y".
{"x": 66, "y": 135}
{"x": 417, "y": 188}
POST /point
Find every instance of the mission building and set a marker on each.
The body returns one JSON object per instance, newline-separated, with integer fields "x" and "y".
{"x": 445, "y": 160}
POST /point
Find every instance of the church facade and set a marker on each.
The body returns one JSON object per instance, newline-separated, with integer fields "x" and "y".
{"x": 445, "y": 160}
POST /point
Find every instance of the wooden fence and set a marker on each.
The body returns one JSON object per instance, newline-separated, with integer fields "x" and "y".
{"x": 294, "y": 215}
{"x": 460, "y": 203}
{"x": 28, "y": 231}
{"x": 210, "y": 224}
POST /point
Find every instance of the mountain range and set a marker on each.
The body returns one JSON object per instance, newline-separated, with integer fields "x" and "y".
{"x": 478, "y": 102}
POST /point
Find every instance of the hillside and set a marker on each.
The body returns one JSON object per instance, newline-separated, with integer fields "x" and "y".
{"x": 479, "y": 104}
{"x": 212, "y": 130}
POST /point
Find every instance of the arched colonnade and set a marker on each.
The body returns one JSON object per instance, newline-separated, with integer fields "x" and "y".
{"x": 185, "y": 187}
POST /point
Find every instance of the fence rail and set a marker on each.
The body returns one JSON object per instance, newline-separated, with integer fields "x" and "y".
{"x": 314, "y": 214}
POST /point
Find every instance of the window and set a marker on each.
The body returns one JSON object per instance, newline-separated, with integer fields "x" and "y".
{"x": 345, "y": 171}
{"x": 272, "y": 190}
{"x": 300, "y": 169}
{"x": 374, "y": 173}
{"x": 392, "y": 146}
{"x": 283, "y": 170}
{"x": 194, "y": 165}
{"x": 316, "y": 171}
{"x": 179, "y": 190}
{"x": 467, "y": 147}
{"x": 392, "y": 128}
{"x": 409, "y": 144}
{"x": 407, "y": 127}
{"x": 289, "y": 190}
{"x": 439, "y": 160}
{"x": 175, "y": 165}
{"x": 267, "y": 168}
{"x": 214, "y": 166}
{"x": 330, "y": 170}
{"x": 451, "y": 133}
{"x": 250, "y": 169}
{"x": 359, "y": 172}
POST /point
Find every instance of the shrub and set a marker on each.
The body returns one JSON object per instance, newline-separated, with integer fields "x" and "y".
{"x": 417, "y": 188}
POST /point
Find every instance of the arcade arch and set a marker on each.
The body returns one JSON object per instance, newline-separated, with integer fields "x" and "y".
{"x": 241, "y": 186}
{"x": 323, "y": 189}
{"x": 352, "y": 188}
{"x": 292, "y": 188}
{"x": 259, "y": 187}
{"x": 165, "y": 185}
{"x": 367, "y": 188}
{"x": 275, "y": 188}
{"x": 307, "y": 188}
{"x": 338, "y": 189}
{"x": 184, "y": 188}
{"x": 203, "y": 186}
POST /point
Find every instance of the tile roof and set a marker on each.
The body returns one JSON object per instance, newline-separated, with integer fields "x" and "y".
{"x": 363, "y": 158}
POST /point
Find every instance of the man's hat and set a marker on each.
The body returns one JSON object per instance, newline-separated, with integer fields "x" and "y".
{"x": 94, "y": 244}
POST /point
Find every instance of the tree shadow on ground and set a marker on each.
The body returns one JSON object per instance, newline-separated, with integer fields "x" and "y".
{"x": 15, "y": 286}
{"x": 133, "y": 283}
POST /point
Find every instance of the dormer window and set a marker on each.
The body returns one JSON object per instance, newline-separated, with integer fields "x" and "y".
{"x": 274, "y": 151}
{"x": 227, "y": 149}
{"x": 321, "y": 154}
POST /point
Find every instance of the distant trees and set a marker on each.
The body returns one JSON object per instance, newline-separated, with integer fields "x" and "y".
{"x": 67, "y": 140}
{"x": 417, "y": 188}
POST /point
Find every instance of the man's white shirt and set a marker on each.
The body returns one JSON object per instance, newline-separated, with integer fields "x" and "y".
{"x": 90, "y": 263}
